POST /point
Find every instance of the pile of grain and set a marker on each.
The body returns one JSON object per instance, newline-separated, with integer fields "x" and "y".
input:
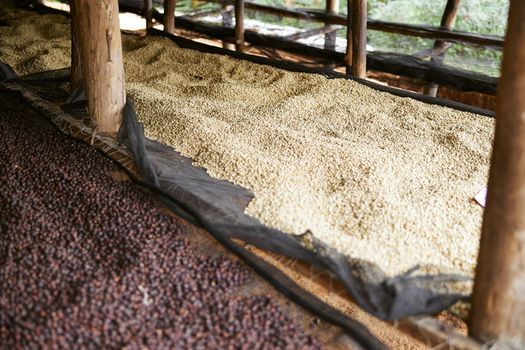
{"x": 379, "y": 177}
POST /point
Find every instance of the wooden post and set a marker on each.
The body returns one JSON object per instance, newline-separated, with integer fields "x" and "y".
{"x": 102, "y": 65}
{"x": 239, "y": 24}
{"x": 169, "y": 16}
{"x": 148, "y": 13}
{"x": 348, "y": 53}
{"x": 227, "y": 21}
{"x": 332, "y": 7}
{"x": 498, "y": 302}
{"x": 359, "y": 21}
{"x": 447, "y": 22}
{"x": 76, "y": 66}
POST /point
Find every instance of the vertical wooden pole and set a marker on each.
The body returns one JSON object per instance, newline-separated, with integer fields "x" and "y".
{"x": 447, "y": 21}
{"x": 148, "y": 13}
{"x": 227, "y": 21}
{"x": 332, "y": 7}
{"x": 498, "y": 303}
{"x": 76, "y": 67}
{"x": 359, "y": 21}
{"x": 348, "y": 53}
{"x": 169, "y": 16}
{"x": 102, "y": 65}
{"x": 239, "y": 24}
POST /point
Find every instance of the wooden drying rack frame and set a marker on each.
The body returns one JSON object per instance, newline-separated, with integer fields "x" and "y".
{"x": 426, "y": 65}
{"x": 498, "y": 303}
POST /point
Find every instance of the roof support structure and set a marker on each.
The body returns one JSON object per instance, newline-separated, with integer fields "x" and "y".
{"x": 447, "y": 22}
{"x": 498, "y": 303}
{"x": 169, "y": 16}
{"x": 97, "y": 29}
{"x": 355, "y": 58}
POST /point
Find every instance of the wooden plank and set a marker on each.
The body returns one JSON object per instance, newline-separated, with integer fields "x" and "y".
{"x": 311, "y": 32}
{"x": 169, "y": 16}
{"x": 102, "y": 64}
{"x": 498, "y": 305}
{"x": 359, "y": 18}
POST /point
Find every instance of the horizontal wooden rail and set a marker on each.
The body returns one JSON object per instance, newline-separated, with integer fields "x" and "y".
{"x": 436, "y": 33}
{"x": 398, "y": 64}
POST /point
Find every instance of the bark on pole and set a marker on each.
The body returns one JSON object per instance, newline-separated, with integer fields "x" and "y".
{"x": 102, "y": 64}
{"x": 76, "y": 67}
{"x": 239, "y": 24}
{"x": 169, "y": 16}
{"x": 447, "y": 22}
{"x": 359, "y": 21}
{"x": 498, "y": 302}
{"x": 348, "y": 53}
{"x": 148, "y": 13}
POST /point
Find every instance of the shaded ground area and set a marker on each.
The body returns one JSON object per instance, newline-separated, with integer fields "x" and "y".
{"x": 87, "y": 260}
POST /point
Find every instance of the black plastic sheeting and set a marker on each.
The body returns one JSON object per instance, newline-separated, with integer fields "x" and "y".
{"x": 218, "y": 207}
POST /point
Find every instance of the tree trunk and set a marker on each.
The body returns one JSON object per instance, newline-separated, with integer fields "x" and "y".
{"x": 100, "y": 47}
{"x": 498, "y": 303}
{"x": 169, "y": 16}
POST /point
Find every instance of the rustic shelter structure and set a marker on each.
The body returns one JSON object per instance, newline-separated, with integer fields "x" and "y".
{"x": 498, "y": 308}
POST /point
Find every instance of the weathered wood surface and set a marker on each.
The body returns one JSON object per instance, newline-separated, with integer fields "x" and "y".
{"x": 169, "y": 16}
{"x": 358, "y": 24}
{"x": 239, "y": 25}
{"x": 498, "y": 305}
{"x": 100, "y": 47}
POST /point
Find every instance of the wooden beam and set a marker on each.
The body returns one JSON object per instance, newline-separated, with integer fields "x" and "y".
{"x": 76, "y": 66}
{"x": 498, "y": 303}
{"x": 359, "y": 19}
{"x": 169, "y": 16}
{"x": 148, "y": 13}
{"x": 102, "y": 64}
{"x": 447, "y": 22}
{"x": 239, "y": 24}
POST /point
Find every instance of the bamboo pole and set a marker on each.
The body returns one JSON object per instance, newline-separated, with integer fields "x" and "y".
{"x": 498, "y": 303}
{"x": 169, "y": 16}
{"x": 100, "y": 47}
{"x": 447, "y": 22}
{"x": 358, "y": 22}
{"x": 148, "y": 13}
{"x": 76, "y": 66}
{"x": 239, "y": 24}
{"x": 332, "y": 7}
